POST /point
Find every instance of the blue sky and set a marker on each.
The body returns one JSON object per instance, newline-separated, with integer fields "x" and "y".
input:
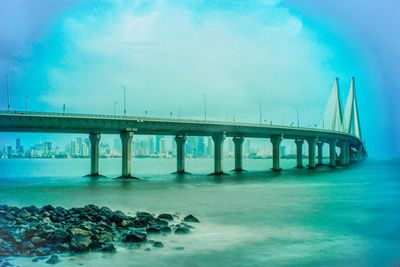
{"x": 283, "y": 55}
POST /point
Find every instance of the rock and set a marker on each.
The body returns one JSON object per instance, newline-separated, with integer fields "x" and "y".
{"x": 37, "y": 259}
{"x": 143, "y": 214}
{"x": 92, "y": 207}
{"x": 134, "y": 237}
{"x": 60, "y": 236}
{"x": 158, "y": 245}
{"x": 127, "y": 223}
{"x": 53, "y": 259}
{"x": 109, "y": 247}
{"x": 38, "y": 241}
{"x": 153, "y": 230}
{"x": 191, "y": 218}
{"x": 47, "y": 208}
{"x": 140, "y": 222}
{"x": 32, "y": 231}
{"x": 80, "y": 240}
{"x": 6, "y": 264}
{"x": 182, "y": 230}
{"x": 166, "y": 216}
{"x": 105, "y": 237}
{"x": 160, "y": 223}
{"x": 27, "y": 246}
{"x": 165, "y": 229}
{"x": 43, "y": 251}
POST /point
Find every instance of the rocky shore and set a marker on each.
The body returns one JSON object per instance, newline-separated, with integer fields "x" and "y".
{"x": 44, "y": 232}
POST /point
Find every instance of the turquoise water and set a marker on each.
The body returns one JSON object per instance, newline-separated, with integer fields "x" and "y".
{"x": 342, "y": 217}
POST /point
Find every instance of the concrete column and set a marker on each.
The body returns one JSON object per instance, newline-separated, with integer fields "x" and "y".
{"x": 343, "y": 153}
{"x": 218, "y": 153}
{"x": 299, "y": 150}
{"x": 94, "y": 153}
{"x": 180, "y": 153}
{"x": 320, "y": 146}
{"x": 238, "y": 141}
{"x": 276, "y": 151}
{"x": 348, "y": 153}
{"x": 126, "y": 139}
{"x": 311, "y": 152}
{"x": 332, "y": 153}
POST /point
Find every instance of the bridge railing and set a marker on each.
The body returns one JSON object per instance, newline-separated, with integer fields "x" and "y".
{"x": 160, "y": 119}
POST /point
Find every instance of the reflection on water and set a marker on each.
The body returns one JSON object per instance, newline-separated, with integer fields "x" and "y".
{"x": 324, "y": 217}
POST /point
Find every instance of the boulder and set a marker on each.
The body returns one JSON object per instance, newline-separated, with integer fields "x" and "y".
{"x": 153, "y": 230}
{"x": 134, "y": 237}
{"x": 182, "y": 230}
{"x": 165, "y": 229}
{"x": 166, "y": 216}
{"x": 60, "y": 236}
{"x": 158, "y": 245}
{"x": 191, "y": 218}
{"x": 44, "y": 251}
{"x": 53, "y": 259}
{"x": 109, "y": 247}
{"x": 38, "y": 241}
{"x": 80, "y": 240}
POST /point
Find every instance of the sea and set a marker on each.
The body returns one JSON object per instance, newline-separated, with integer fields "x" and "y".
{"x": 297, "y": 217}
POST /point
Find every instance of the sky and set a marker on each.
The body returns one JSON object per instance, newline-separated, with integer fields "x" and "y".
{"x": 170, "y": 55}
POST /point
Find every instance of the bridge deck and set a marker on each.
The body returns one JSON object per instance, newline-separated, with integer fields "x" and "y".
{"x": 109, "y": 124}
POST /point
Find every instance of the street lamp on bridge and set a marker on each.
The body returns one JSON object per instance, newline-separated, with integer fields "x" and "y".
{"x": 115, "y": 108}
{"x": 205, "y": 106}
{"x": 123, "y": 87}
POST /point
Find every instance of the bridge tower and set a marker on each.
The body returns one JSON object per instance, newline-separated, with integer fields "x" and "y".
{"x": 352, "y": 119}
{"x": 337, "y": 119}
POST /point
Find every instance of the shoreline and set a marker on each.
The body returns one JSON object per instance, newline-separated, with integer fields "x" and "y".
{"x": 46, "y": 232}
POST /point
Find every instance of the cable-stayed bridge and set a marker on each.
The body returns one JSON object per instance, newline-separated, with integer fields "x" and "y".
{"x": 343, "y": 132}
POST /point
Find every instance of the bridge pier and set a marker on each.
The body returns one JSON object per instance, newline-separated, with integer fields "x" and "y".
{"x": 180, "y": 153}
{"x": 276, "y": 141}
{"x": 311, "y": 152}
{"x": 94, "y": 153}
{"x": 218, "y": 152}
{"x": 332, "y": 153}
{"x": 299, "y": 152}
{"x": 344, "y": 154}
{"x": 320, "y": 146}
{"x": 238, "y": 141}
{"x": 126, "y": 139}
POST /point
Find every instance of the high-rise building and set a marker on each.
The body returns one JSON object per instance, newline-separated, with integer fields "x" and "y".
{"x": 163, "y": 146}
{"x": 117, "y": 147}
{"x": 18, "y": 147}
{"x": 47, "y": 147}
{"x": 201, "y": 147}
{"x": 210, "y": 147}
{"x": 158, "y": 143}
{"x": 151, "y": 145}
{"x": 9, "y": 151}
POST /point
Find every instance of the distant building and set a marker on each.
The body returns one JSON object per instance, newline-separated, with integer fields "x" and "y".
{"x": 283, "y": 151}
{"x": 18, "y": 147}
{"x": 210, "y": 147}
{"x": 151, "y": 145}
{"x": 158, "y": 143}
{"x": 201, "y": 147}
{"x": 117, "y": 147}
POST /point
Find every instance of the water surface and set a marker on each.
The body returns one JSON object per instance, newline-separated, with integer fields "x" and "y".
{"x": 341, "y": 217}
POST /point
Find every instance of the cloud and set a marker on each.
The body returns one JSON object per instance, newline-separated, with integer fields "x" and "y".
{"x": 167, "y": 56}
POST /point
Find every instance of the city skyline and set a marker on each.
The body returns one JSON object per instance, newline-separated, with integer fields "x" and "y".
{"x": 234, "y": 66}
{"x": 146, "y": 146}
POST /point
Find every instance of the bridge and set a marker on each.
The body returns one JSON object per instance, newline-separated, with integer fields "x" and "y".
{"x": 344, "y": 133}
